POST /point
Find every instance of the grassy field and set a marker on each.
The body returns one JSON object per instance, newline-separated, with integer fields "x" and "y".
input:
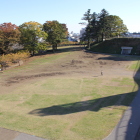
{"x": 66, "y": 108}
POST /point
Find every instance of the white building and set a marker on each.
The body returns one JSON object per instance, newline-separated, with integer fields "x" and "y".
{"x": 133, "y": 35}
{"x": 82, "y": 31}
{"x": 73, "y": 37}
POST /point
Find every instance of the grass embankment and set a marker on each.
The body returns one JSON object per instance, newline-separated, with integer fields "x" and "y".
{"x": 113, "y": 46}
{"x": 66, "y": 108}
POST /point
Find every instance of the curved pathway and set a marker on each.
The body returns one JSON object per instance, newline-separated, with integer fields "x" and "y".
{"x": 129, "y": 126}
{"x": 6, "y": 134}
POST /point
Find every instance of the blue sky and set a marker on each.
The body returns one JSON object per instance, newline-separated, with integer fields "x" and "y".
{"x": 68, "y": 11}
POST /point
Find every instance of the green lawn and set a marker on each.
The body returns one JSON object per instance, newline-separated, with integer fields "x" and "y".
{"x": 62, "y": 109}
{"x": 135, "y": 65}
{"x": 66, "y": 108}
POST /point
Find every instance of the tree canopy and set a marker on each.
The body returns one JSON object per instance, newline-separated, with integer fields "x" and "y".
{"x": 56, "y": 32}
{"x": 115, "y": 25}
{"x": 9, "y": 35}
{"x": 33, "y": 37}
{"x": 102, "y": 25}
{"x": 87, "y": 17}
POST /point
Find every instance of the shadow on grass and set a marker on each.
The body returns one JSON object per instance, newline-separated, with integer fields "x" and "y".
{"x": 120, "y": 58}
{"x": 92, "y": 105}
{"x": 129, "y": 126}
{"x": 69, "y": 49}
{"x": 61, "y": 49}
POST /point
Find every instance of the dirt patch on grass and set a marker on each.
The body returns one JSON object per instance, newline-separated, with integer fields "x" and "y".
{"x": 76, "y": 63}
{"x": 65, "y": 91}
{"x": 18, "y": 79}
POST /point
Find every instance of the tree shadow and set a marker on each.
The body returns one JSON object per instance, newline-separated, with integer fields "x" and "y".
{"x": 120, "y": 58}
{"x": 127, "y": 128}
{"x": 91, "y": 105}
{"x": 73, "y": 48}
{"x": 61, "y": 49}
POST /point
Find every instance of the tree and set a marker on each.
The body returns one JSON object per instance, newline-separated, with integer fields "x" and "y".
{"x": 87, "y": 17}
{"x": 116, "y": 27}
{"x": 102, "y": 24}
{"x": 33, "y": 37}
{"x": 94, "y": 26}
{"x": 56, "y": 33}
{"x": 110, "y": 25}
{"x": 65, "y": 29}
{"x": 9, "y": 35}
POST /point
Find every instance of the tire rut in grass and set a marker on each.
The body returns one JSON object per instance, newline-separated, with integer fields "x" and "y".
{"x": 18, "y": 79}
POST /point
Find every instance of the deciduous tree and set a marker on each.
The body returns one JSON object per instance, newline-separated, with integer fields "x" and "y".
{"x": 116, "y": 27}
{"x": 56, "y": 33}
{"x": 9, "y": 35}
{"x": 33, "y": 37}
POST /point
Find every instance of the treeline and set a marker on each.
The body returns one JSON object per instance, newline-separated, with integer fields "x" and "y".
{"x": 33, "y": 36}
{"x": 102, "y": 26}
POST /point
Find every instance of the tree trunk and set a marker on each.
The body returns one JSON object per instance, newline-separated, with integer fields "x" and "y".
{"x": 56, "y": 47}
{"x": 53, "y": 47}
{"x": 33, "y": 52}
{"x": 102, "y": 37}
{"x": 88, "y": 43}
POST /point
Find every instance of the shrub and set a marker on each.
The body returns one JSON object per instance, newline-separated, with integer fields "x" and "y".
{"x": 12, "y": 58}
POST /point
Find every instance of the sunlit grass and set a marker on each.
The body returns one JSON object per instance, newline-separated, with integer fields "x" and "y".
{"x": 135, "y": 65}
{"x": 67, "y": 107}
